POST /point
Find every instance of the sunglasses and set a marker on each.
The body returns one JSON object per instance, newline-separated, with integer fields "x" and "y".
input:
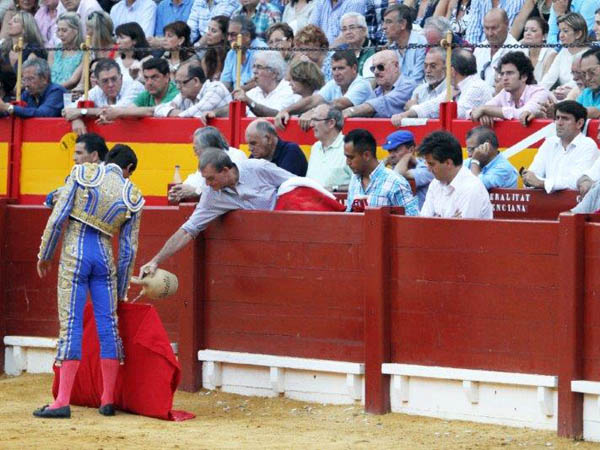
{"x": 379, "y": 67}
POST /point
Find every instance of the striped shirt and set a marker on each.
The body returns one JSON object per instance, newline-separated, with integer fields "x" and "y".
{"x": 385, "y": 188}
{"x": 480, "y": 8}
{"x": 328, "y": 17}
{"x": 264, "y": 16}
{"x": 202, "y": 12}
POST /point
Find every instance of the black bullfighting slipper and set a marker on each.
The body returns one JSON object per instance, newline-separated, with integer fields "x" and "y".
{"x": 107, "y": 410}
{"x": 56, "y": 413}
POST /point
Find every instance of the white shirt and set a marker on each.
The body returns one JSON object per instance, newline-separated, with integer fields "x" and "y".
{"x": 483, "y": 56}
{"x": 423, "y": 92}
{"x": 560, "y": 69}
{"x": 560, "y": 168}
{"x": 141, "y": 11}
{"x": 465, "y": 197}
{"x": 196, "y": 179}
{"x": 85, "y": 8}
{"x": 328, "y": 165}
{"x": 213, "y": 95}
{"x": 279, "y": 98}
{"x": 545, "y": 53}
{"x": 129, "y": 91}
{"x": 472, "y": 92}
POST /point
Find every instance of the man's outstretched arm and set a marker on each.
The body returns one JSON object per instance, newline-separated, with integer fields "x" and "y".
{"x": 176, "y": 242}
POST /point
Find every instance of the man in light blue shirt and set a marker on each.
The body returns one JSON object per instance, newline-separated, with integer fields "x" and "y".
{"x": 372, "y": 180}
{"x": 169, "y": 11}
{"x": 250, "y": 184}
{"x": 586, "y": 8}
{"x": 347, "y": 89}
{"x": 245, "y": 26}
{"x": 486, "y": 162}
{"x": 590, "y": 68}
{"x": 141, "y": 11}
{"x": 397, "y": 25}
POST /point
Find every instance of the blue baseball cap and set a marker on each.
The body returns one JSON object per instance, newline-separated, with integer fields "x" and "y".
{"x": 398, "y": 138}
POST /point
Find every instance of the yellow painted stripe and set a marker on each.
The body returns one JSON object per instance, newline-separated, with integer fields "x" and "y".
{"x": 3, "y": 167}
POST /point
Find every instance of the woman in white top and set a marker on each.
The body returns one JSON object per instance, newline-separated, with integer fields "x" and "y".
{"x": 535, "y": 33}
{"x": 132, "y": 49}
{"x": 297, "y": 13}
{"x": 572, "y": 30}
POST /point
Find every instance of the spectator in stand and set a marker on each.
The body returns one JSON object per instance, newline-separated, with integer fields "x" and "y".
{"x": 486, "y": 162}
{"x": 168, "y": 12}
{"x": 132, "y": 49}
{"x": 470, "y": 91}
{"x": 455, "y": 192}
{"x": 401, "y": 149}
{"x": 586, "y": 8}
{"x": 100, "y": 29}
{"x": 7, "y": 11}
{"x": 66, "y": 64}
{"x": 397, "y": 24}
{"x": 45, "y": 17}
{"x": 354, "y": 37}
{"x": 562, "y": 159}
{"x": 378, "y": 184}
{"x": 520, "y": 99}
{"x": 297, "y": 13}
{"x": 392, "y": 92}
{"x": 579, "y": 79}
{"x": 197, "y": 95}
{"x": 262, "y": 14}
{"x": 281, "y": 36}
{"x": 30, "y": 6}
{"x": 530, "y": 9}
{"x": 495, "y": 26}
{"x": 84, "y": 8}
{"x": 436, "y": 28}
{"x": 573, "y": 31}
{"x": 213, "y": 58}
{"x": 43, "y": 98}
{"x": 590, "y": 69}
{"x": 535, "y": 33}
{"x": 204, "y": 138}
{"x": 475, "y": 32}
{"x": 312, "y": 36}
{"x": 264, "y": 143}
{"x": 142, "y": 12}
{"x": 159, "y": 89}
{"x": 457, "y": 12}
{"x": 23, "y": 25}
{"x": 244, "y": 26}
{"x": 305, "y": 78}
{"x": 327, "y": 163}
{"x": 203, "y": 11}
{"x": 177, "y": 40}
{"x": 596, "y": 27}
{"x": 345, "y": 90}
{"x": 112, "y": 90}
{"x": 8, "y": 80}
{"x": 435, "y": 75}
{"x": 327, "y": 14}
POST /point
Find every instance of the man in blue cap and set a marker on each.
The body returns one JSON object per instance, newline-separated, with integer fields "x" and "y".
{"x": 401, "y": 148}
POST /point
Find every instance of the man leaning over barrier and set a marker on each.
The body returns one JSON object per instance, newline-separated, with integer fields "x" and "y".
{"x": 250, "y": 184}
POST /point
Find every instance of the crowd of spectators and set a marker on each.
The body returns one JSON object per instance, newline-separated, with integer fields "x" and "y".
{"x": 322, "y": 61}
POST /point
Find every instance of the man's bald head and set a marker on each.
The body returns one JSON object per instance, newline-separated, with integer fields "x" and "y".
{"x": 495, "y": 26}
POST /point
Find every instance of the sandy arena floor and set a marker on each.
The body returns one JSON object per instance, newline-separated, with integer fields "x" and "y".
{"x": 232, "y": 421}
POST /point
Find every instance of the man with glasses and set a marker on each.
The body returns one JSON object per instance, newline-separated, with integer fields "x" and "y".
{"x": 244, "y": 26}
{"x": 327, "y": 163}
{"x": 327, "y": 15}
{"x": 43, "y": 98}
{"x": 392, "y": 90}
{"x": 112, "y": 90}
{"x": 345, "y": 90}
{"x": 353, "y": 36}
{"x": 397, "y": 25}
{"x": 197, "y": 95}
{"x": 435, "y": 75}
{"x": 590, "y": 70}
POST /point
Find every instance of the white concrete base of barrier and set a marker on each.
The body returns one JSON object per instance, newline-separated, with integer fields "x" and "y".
{"x": 591, "y": 407}
{"x": 314, "y": 380}
{"x": 515, "y": 399}
{"x": 32, "y": 354}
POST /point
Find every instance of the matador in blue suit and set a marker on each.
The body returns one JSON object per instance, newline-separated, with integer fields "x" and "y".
{"x": 96, "y": 202}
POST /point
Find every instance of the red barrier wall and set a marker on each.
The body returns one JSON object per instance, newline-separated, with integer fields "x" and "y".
{"x": 591, "y": 330}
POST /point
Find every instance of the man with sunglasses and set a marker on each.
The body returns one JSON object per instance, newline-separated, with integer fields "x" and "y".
{"x": 197, "y": 95}
{"x": 112, "y": 90}
{"x": 590, "y": 70}
{"x": 392, "y": 92}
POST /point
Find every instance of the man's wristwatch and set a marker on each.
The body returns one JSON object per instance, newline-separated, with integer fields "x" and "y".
{"x": 474, "y": 161}
{"x": 84, "y": 112}
{"x": 10, "y": 109}
{"x": 252, "y": 104}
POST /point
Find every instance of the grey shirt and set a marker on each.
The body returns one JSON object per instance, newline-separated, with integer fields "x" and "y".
{"x": 256, "y": 189}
